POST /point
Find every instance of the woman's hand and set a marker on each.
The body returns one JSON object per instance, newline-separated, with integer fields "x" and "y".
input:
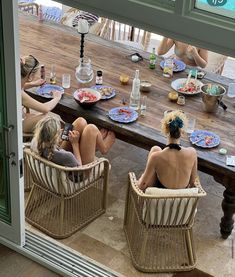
{"x": 38, "y": 82}
{"x": 74, "y": 137}
{"x": 56, "y": 94}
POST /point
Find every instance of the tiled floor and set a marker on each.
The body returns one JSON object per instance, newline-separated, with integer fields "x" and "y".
{"x": 103, "y": 240}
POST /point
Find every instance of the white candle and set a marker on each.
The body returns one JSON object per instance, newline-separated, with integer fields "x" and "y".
{"x": 83, "y": 26}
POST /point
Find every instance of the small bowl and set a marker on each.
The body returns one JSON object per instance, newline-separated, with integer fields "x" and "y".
{"x": 145, "y": 86}
{"x": 173, "y": 96}
{"x": 124, "y": 79}
{"x": 87, "y": 92}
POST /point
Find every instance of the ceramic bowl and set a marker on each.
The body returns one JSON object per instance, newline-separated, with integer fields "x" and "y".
{"x": 91, "y": 96}
{"x": 145, "y": 86}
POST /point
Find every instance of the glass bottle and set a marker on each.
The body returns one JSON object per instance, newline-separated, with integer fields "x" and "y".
{"x": 99, "y": 78}
{"x": 152, "y": 59}
{"x": 135, "y": 92}
{"x": 53, "y": 75}
{"x": 42, "y": 72}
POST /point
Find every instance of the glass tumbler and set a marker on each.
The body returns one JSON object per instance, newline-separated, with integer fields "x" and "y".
{"x": 168, "y": 68}
{"x": 66, "y": 80}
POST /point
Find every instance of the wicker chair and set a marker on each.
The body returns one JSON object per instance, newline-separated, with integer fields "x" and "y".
{"x": 215, "y": 62}
{"x": 64, "y": 199}
{"x": 158, "y": 227}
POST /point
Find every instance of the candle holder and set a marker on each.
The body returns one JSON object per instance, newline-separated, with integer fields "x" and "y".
{"x": 84, "y": 73}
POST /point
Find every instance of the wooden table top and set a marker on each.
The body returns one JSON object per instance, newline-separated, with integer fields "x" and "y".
{"x": 56, "y": 44}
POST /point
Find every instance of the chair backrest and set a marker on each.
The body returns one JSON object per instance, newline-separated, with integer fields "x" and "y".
{"x": 215, "y": 62}
{"x": 170, "y": 207}
{"x": 60, "y": 179}
{"x": 32, "y": 8}
{"x": 126, "y": 34}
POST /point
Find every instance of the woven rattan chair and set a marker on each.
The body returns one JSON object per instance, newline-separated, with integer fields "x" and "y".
{"x": 64, "y": 199}
{"x": 215, "y": 62}
{"x": 158, "y": 227}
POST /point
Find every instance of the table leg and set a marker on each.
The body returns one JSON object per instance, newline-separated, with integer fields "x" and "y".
{"x": 228, "y": 206}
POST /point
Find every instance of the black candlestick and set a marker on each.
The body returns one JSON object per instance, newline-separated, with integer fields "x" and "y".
{"x": 82, "y": 47}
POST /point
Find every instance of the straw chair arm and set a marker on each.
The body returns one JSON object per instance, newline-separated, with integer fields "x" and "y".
{"x": 66, "y": 168}
{"x": 197, "y": 184}
{"x": 133, "y": 183}
{"x": 25, "y": 6}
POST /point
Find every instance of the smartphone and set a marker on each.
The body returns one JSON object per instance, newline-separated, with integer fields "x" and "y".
{"x": 65, "y": 133}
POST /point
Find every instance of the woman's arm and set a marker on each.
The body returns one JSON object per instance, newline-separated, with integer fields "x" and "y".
{"x": 194, "y": 170}
{"x": 200, "y": 56}
{"x": 36, "y": 83}
{"x": 165, "y": 46}
{"x": 31, "y": 103}
{"x": 148, "y": 178}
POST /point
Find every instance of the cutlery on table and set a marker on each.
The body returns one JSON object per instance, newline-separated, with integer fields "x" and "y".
{"x": 84, "y": 99}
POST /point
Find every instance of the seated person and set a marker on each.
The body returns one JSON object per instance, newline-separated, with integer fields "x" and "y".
{"x": 174, "y": 167}
{"x": 29, "y": 67}
{"x": 189, "y": 54}
{"x": 78, "y": 150}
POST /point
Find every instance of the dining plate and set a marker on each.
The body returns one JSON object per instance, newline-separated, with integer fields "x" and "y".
{"x": 178, "y": 65}
{"x": 106, "y": 92}
{"x": 123, "y": 114}
{"x": 204, "y": 139}
{"x": 193, "y": 89}
{"x": 46, "y": 90}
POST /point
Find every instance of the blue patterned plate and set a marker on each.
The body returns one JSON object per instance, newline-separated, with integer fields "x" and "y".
{"x": 178, "y": 65}
{"x": 106, "y": 92}
{"x": 46, "y": 90}
{"x": 123, "y": 114}
{"x": 204, "y": 139}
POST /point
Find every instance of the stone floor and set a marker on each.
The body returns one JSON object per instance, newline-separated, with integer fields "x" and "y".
{"x": 103, "y": 240}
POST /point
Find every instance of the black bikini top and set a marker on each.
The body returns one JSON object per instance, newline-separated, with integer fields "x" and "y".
{"x": 174, "y": 146}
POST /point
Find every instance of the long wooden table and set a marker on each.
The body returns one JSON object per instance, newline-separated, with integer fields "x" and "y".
{"x": 56, "y": 44}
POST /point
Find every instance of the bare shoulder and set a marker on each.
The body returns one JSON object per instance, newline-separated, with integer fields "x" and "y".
{"x": 191, "y": 151}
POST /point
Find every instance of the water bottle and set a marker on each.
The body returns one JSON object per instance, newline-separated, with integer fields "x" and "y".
{"x": 135, "y": 92}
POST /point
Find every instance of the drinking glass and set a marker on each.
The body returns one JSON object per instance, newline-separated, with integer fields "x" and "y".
{"x": 168, "y": 68}
{"x": 84, "y": 72}
{"x": 143, "y": 105}
{"x": 191, "y": 125}
{"x": 66, "y": 80}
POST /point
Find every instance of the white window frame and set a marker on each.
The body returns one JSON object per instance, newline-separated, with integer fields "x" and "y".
{"x": 184, "y": 22}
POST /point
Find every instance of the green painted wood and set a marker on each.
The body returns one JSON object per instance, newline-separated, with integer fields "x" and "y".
{"x": 5, "y": 214}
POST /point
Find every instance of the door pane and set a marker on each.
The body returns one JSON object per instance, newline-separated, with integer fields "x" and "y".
{"x": 221, "y": 7}
{"x": 4, "y": 173}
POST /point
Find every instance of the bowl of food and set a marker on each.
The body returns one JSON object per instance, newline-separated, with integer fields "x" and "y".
{"x": 145, "y": 86}
{"x": 86, "y": 97}
{"x": 124, "y": 79}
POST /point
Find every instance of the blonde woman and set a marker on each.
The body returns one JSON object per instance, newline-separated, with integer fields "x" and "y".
{"x": 29, "y": 66}
{"x": 189, "y": 54}
{"x": 175, "y": 166}
{"x": 78, "y": 150}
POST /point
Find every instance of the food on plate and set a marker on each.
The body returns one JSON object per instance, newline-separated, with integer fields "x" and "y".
{"x": 208, "y": 140}
{"x": 190, "y": 87}
{"x": 86, "y": 96}
{"x": 105, "y": 91}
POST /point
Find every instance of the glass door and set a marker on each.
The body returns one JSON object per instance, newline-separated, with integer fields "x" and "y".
{"x": 11, "y": 177}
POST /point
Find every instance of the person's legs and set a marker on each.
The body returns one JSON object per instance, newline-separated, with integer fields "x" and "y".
{"x": 91, "y": 139}
{"x": 79, "y": 125}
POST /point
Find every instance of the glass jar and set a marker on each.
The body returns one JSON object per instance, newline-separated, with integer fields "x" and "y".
{"x": 84, "y": 72}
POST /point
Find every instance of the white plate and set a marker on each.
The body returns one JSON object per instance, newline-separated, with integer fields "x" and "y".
{"x": 176, "y": 84}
